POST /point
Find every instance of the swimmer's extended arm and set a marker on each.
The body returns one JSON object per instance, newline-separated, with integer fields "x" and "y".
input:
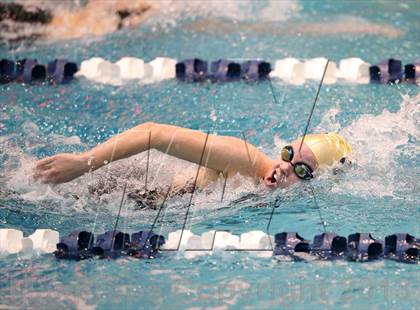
{"x": 221, "y": 153}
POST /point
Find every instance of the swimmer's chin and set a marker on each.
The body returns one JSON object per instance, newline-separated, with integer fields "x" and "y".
{"x": 274, "y": 186}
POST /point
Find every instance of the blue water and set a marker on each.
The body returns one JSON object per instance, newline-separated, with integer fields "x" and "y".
{"x": 379, "y": 194}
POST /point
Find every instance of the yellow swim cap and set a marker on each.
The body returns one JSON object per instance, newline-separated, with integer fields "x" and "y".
{"x": 328, "y": 148}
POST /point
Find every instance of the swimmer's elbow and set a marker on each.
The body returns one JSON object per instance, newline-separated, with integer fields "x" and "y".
{"x": 150, "y": 130}
{"x": 147, "y": 125}
{"x": 155, "y": 130}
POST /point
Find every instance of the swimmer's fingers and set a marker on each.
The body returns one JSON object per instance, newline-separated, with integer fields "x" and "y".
{"x": 36, "y": 175}
{"x": 60, "y": 168}
{"x": 46, "y": 176}
{"x": 39, "y": 175}
{"x": 42, "y": 176}
{"x": 41, "y": 168}
{"x": 40, "y": 164}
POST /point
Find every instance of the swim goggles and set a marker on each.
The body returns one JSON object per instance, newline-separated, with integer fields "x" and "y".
{"x": 302, "y": 170}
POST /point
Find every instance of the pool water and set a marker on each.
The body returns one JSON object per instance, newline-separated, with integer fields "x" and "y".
{"x": 378, "y": 194}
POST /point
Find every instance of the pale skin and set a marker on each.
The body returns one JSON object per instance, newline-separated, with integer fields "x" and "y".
{"x": 222, "y": 155}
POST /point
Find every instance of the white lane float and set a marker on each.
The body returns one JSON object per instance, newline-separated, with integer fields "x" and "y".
{"x": 354, "y": 70}
{"x": 163, "y": 68}
{"x": 256, "y": 239}
{"x": 314, "y": 69}
{"x": 211, "y": 241}
{"x": 108, "y": 73}
{"x": 89, "y": 68}
{"x": 177, "y": 240}
{"x": 41, "y": 241}
{"x": 224, "y": 240}
{"x": 11, "y": 241}
{"x": 100, "y": 70}
{"x": 127, "y": 68}
{"x": 257, "y": 243}
{"x": 290, "y": 70}
{"x": 131, "y": 68}
{"x": 45, "y": 240}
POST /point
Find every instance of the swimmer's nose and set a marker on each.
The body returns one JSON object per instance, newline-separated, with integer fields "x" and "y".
{"x": 285, "y": 168}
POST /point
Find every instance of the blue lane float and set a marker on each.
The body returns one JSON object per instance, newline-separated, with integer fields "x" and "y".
{"x": 289, "y": 243}
{"x": 402, "y": 247}
{"x": 191, "y": 70}
{"x": 77, "y": 245}
{"x": 145, "y": 244}
{"x": 61, "y": 71}
{"x": 363, "y": 247}
{"x": 7, "y": 71}
{"x": 255, "y": 70}
{"x": 412, "y": 72}
{"x": 224, "y": 70}
{"x": 29, "y": 70}
{"x": 329, "y": 245}
{"x": 80, "y": 245}
{"x": 111, "y": 244}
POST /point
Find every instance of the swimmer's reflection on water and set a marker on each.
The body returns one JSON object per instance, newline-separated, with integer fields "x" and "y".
{"x": 218, "y": 154}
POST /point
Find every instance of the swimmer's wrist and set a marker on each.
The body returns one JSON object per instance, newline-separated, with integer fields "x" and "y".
{"x": 91, "y": 161}
{"x": 88, "y": 162}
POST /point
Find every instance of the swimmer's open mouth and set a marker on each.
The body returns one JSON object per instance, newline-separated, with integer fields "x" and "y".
{"x": 273, "y": 178}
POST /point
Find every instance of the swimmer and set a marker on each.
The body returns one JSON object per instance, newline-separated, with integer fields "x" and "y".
{"x": 222, "y": 155}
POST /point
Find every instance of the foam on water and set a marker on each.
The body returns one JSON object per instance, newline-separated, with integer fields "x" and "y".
{"x": 377, "y": 142}
{"x": 241, "y": 10}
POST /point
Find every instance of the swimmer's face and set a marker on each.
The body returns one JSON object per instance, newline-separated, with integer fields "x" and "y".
{"x": 282, "y": 174}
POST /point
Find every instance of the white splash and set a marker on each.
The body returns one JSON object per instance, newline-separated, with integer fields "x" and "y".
{"x": 376, "y": 141}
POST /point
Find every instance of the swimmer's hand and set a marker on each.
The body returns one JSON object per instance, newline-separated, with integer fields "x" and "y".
{"x": 60, "y": 168}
